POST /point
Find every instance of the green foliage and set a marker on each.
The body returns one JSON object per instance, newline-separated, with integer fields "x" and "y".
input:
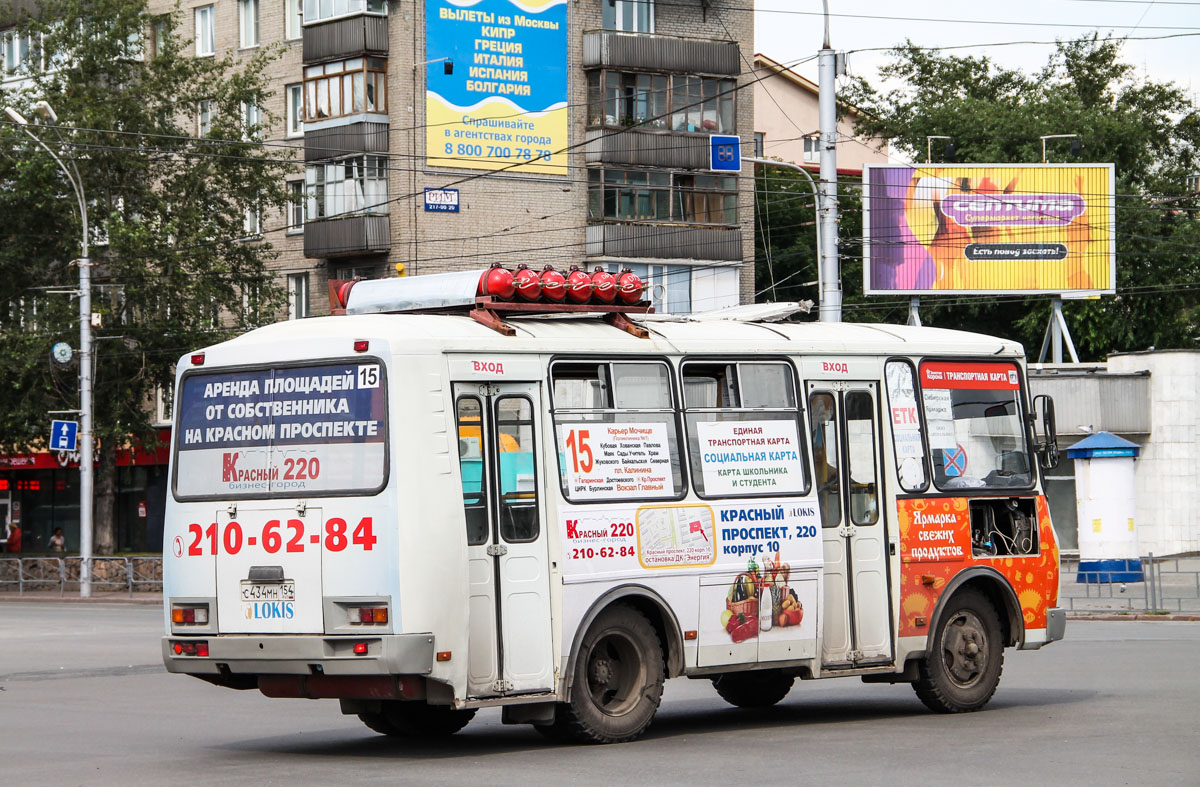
{"x": 172, "y": 269}
{"x": 1149, "y": 130}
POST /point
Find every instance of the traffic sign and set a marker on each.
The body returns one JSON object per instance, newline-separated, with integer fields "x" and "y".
{"x": 64, "y": 435}
{"x": 725, "y": 153}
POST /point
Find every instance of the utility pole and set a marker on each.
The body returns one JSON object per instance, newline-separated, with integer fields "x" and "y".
{"x": 830, "y": 273}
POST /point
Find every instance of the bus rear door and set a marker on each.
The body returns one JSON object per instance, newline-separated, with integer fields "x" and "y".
{"x": 844, "y": 418}
{"x": 509, "y": 606}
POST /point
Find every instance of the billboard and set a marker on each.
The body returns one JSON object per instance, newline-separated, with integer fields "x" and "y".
{"x": 989, "y": 228}
{"x": 504, "y": 104}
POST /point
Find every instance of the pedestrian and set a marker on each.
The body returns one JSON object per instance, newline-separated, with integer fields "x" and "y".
{"x": 57, "y": 542}
{"x": 14, "y": 538}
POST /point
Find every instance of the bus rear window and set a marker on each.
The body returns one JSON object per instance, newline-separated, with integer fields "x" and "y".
{"x": 282, "y": 432}
{"x": 973, "y": 421}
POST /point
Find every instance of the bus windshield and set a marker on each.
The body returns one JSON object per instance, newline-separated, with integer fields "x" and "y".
{"x": 973, "y": 418}
{"x": 276, "y": 432}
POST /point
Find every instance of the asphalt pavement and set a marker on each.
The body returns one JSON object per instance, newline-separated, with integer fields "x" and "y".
{"x": 84, "y": 700}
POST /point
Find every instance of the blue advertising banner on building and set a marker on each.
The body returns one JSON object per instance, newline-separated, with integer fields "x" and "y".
{"x": 503, "y": 104}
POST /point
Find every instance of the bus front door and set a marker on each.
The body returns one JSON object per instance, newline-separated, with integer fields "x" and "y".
{"x": 509, "y": 604}
{"x": 844, "y": 418}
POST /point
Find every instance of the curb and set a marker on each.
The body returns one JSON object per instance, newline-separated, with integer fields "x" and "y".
{"x": 1085, "y": 615}
{"x": 155, "y": 599}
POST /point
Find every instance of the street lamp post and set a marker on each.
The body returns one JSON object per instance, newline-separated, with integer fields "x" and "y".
{"x": 86, "y": 437}
{"x": 816, "y": 207}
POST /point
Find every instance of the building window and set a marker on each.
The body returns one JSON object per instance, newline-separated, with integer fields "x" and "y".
{"x": 346, "y": 87}
{"x": 681, "y": 103}
{"x": 204, "y": 117}
{"x": 1193, "y": 183}
{"x": 252, "y": 223}
{"x": 349, "y": 272}
{"x": 654, "y": 195}
{"x": 294, "y": 96}
{"x": 629, "y": 194}
{"x": 248, "y": 23}
{"x": 206, "y": 31}
{"x": 630, "y": 16}
{"x": 760, "y": 144}
{"x": 251, "y": 121}
{"x": 295, "y": 206}
{"x": 297, "y": 296}
{"x": 706, "y": 199}
{"x": 702, "y": 104}
{"x": 812, "y": 149}
{"x": 158, "y": 36}
{"x": 293, "y": 19}
{"x": 346, "y": 187}
{"x": 18, "y": 50}
{"x": 322, "y": 10}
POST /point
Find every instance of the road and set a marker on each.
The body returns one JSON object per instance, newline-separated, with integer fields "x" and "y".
{"x": 84, "y": 700}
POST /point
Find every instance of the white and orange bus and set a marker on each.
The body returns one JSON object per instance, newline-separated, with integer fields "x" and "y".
{"x": 438, "y": 501}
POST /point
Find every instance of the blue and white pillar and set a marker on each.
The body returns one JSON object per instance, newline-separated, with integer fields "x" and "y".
{"x": 1105, "y": 503}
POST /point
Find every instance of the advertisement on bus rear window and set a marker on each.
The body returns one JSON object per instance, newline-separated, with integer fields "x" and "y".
{"x": 282, "y": 432}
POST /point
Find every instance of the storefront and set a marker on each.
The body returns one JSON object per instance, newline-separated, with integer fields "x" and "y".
{"x": 40, "y": 492}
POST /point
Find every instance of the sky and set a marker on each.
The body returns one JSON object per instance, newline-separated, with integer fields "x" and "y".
{"x": 796, "y": 33}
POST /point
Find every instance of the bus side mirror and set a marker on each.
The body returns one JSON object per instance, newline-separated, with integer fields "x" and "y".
{"x": 1047, "y": 438}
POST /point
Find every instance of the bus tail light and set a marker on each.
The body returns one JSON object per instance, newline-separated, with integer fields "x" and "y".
{"x": 360, "y": 648}
{"x": 197, "y": 359}
{"x": 369, "y": 616}
{"x": 189, "y": 614}
{"x": 190, "y": 648}
{"x": 361, "y": 345}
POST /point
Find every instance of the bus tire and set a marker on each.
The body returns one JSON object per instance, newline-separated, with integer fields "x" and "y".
{"x": 619, "y": 674}
{"x": 960, "y": 672}
{"x": 417, "y": 720}
{"x": 755, "y": 689}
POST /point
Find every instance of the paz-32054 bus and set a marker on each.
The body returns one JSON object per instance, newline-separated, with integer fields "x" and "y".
{"x": 439, "y": 501}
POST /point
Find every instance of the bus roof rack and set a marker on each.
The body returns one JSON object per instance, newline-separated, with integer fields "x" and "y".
{"x": 489, "y": 294}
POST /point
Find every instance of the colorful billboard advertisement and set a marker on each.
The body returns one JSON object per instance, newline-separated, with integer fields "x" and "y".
{"x": 504, "y": 103}
{"x": 989, "y": 228}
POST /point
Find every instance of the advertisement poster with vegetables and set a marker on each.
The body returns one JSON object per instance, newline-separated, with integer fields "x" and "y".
{"x": 764, "y": 599}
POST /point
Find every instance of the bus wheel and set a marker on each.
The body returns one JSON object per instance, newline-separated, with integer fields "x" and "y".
{"x": 618, "y": 680}
{"x": 417, "y": 720}
{"x": 756, "y": 689}
{"x": 962, "y": 669}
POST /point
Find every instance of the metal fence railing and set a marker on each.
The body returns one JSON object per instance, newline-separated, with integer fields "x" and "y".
{"x": 1170, "y": 584}
{"x": 109, "y": 574}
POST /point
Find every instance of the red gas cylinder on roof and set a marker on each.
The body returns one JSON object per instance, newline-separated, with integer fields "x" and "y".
{"x": 497, "y": 282}
{"x": 529, "y": 286}
{"x": 605, "y": 284}
{"x": 579, "y": 285}
{"x": 554, "y": 284}
{"x": 629, "y": 287}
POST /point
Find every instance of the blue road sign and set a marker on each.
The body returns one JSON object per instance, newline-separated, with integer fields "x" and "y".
{"x": 725, "y": 153}
{"x": 64, "y": 435}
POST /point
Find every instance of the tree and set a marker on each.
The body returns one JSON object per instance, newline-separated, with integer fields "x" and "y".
{"x": 178, "y": 263}
{"x": 1149, "y": 130}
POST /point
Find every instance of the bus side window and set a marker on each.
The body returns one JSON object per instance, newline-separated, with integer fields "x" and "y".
{"x": 822, "y": 413}
{"x": 908, "y": 438}
{"x": 515, "y": 458}
{"x": 470, "y": 462}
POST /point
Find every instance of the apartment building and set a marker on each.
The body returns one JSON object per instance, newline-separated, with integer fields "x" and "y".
{"x": 431, "y": 137}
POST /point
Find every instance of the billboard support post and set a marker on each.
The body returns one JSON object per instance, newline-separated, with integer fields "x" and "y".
{"x": 1056, "y": 332}
{"x": 914, "y": 311}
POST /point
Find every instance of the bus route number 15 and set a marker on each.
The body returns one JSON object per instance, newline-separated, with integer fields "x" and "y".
{"x": 582, "y": 460}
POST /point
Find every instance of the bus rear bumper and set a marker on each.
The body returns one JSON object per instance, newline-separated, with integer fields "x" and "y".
{"x": 393, "y": 654}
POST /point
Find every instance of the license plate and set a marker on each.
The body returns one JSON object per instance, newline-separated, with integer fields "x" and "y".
{"x": 268, "y": 591}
